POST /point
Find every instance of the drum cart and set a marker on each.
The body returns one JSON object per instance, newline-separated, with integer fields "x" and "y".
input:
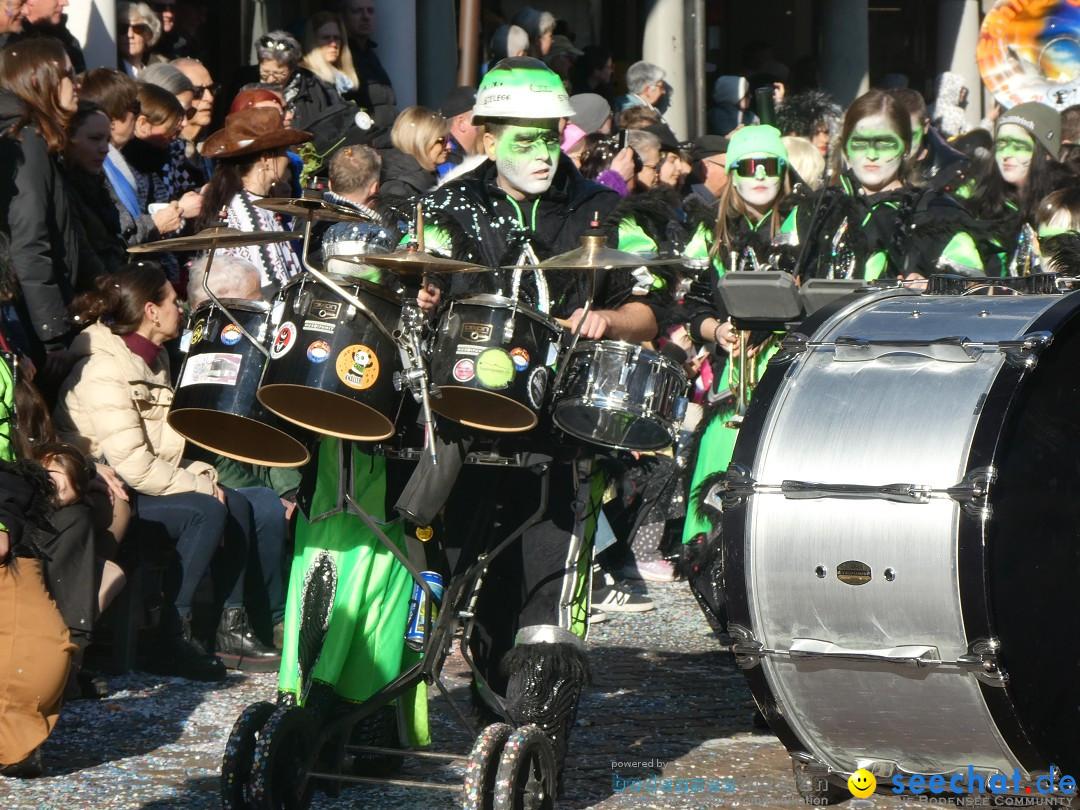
{"x": 278, "y": 753}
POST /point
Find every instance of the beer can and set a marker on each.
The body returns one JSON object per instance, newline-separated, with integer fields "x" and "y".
{"x": 416, "y": 629}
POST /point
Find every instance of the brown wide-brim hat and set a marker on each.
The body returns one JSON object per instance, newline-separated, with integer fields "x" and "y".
{"x": 251, "y": 131}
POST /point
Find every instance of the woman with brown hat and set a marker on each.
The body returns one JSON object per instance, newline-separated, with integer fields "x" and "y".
{"x": 251, "y": 160}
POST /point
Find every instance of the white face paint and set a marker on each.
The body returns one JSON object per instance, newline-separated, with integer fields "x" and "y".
{"x": 1013, "y": 150}
{"x": 760, "y": 190}
{"x": 874, "y": 151}
{"x": 527, "y": 158}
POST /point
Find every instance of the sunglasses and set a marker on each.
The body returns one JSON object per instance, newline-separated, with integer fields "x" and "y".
{"x": 748, "y": 167}
{"x": 200, "y": 90}
{"x": 273, "y": 43}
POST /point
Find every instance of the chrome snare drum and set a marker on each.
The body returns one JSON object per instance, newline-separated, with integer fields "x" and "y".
{"x": 215, "y": 405}
{"x": 490, "y": 361}
{"x": 899, "y": 520}
{"x": 621, "y": 395}
{"x": 331, "y": 369}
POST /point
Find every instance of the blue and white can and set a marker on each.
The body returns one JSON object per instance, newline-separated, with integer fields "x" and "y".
{"x": 416, "y": 629}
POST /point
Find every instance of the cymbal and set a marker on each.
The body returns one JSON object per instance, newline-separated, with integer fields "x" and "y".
{"x": 213, "y": 238}
{"x": 415, "y": 263}
{"x": 321, "y": 209}
{"x": 594, "y": 254}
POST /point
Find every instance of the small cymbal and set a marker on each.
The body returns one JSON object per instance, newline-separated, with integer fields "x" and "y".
{"x": 213, "y": 238}
{"x": 321, "y": 209}
{"x": 415, "y": 263}
{"x": 594, "y": 254}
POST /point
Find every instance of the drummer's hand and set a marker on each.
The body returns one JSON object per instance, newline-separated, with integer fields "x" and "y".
{"x": 191, "y": 205}
{"x": 5, "y": 546}
{"x": 728, "y": 338}
{"x": 219, "y": 493}
{"x": 596, "y": 324}
{"x": 914, "y": 281}
{"x": 290, "y": 507}
{"x": 108, "y": 478}
{"x": 168, "y": 220}
{"x": 428, "y": 298}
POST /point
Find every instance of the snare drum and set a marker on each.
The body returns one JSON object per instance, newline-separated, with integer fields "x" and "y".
{"x": 621, "y": 395}
{"x": 331, "y": 369}
{"x": 900, "y": 537}
{"x": 490, "y": 361}
{"x": 215, "y": 406}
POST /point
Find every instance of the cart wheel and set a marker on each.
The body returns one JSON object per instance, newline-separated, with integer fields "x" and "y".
{"x": 526, "y": 776}
{"x": 239, "y": 751}
{"x": 815, "y": 787}
{"x": 283, "y": 756}
{"x": 483, "y": 764}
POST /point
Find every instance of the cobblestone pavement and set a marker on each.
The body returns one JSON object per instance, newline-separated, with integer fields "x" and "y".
{"x": 666, "y": 700}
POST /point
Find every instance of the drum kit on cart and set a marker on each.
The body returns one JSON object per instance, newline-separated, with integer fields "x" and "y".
{"x": 339, "y": 355}
{"x": 898, "y": 543}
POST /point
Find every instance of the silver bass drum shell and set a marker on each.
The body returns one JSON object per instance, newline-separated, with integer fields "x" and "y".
{"x": 901, "y": 538}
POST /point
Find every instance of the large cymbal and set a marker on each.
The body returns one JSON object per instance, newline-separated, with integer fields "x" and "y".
{"x": 410, "y": 262}
{"x": 594, "y": 254}
{"x": 320, "y": 209}
{"x": 213, "y": 238}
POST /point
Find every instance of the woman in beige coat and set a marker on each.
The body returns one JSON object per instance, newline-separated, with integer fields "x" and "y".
{"x": 113, "y": 406}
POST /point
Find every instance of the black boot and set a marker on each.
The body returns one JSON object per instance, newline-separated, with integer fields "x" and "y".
{"x": 240, "y": 648}
{"x": 177, "y": 653}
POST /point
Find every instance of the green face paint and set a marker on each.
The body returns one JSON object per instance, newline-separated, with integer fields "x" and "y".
{"x": 874, "y": 151}
{"x": 527, "y": 158}
{"x": 1014, "y": 149}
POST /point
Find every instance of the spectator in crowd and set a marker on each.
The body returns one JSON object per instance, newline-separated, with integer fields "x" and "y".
{"x": 137, "y": 30}
{"x": 420, "y": 145}
{"x": 359, "y": 17}
{"x": 935, "y": 161}
{"x": 603, "y": 161}
{"x": 45, "y": 18}
{"x": 645, "y": 86}
{"x": 251, "y": 160}
{"x": 11, "y": 19}
{"x": 326, "y": 56}
{"x": 708, "y": 155}
{"x": 113, "y": 406}
{"x": 38, "y": 96}
{"x": 592, "y": 113}
{"x": 811, "y": 114}
{"x": 948, "y": 114}
{"x": 117, "y": 94}
{"x": 457, "y": 109}
{"x": 96, "y": 220}
{"x": 638, "y": 117}
{"x": 191, "y": 16}
{"x": 731, "y": 105}
{"x": 193, "y": 171}
{"x": 646, "y": 147}
{"x": 592, "y": 73}
{"x": 166, "y": 44}
{"x": 306, "y": 96}
{"x": 560, "y": 58}
{"x": 506, "y": 41}
{"x": 540, "y": 26}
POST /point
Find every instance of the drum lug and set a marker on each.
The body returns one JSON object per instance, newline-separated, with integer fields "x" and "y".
{"x": 973, "y": 493}
{"x": 732, "y": 492}
{"x": 1024, "y": 353}
{"x": 747, "y": 649}
{"x": 982, "y": 660}
{"x": 791, "y": 346}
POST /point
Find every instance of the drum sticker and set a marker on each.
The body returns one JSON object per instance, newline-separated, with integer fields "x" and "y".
{"x": 230, "y": 335}
{"x": 854, "y": 572}
{"x": 197, "y": 332}
{"x": 212, "y": 369}
{"x": 319, "y": 326}
{"x": 476, "y": 332}
{"x": 284, "y": 340}
{"x": 318, "y": 352}
{"x": 520, "y": 358}
{"x": 464, "y": 370}
{"x": 495, "y": 368}
{"x": 325, "y": 310}
{"x": 537, "y": 386}
{"x": 469, "y": 351}
{"x": 357, "y": 366}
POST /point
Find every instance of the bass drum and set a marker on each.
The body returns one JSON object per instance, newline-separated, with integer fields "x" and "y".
{"x": 331, "y": 368}
{"x": 215, "y": 405}
{"x": 900, "y": 537}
